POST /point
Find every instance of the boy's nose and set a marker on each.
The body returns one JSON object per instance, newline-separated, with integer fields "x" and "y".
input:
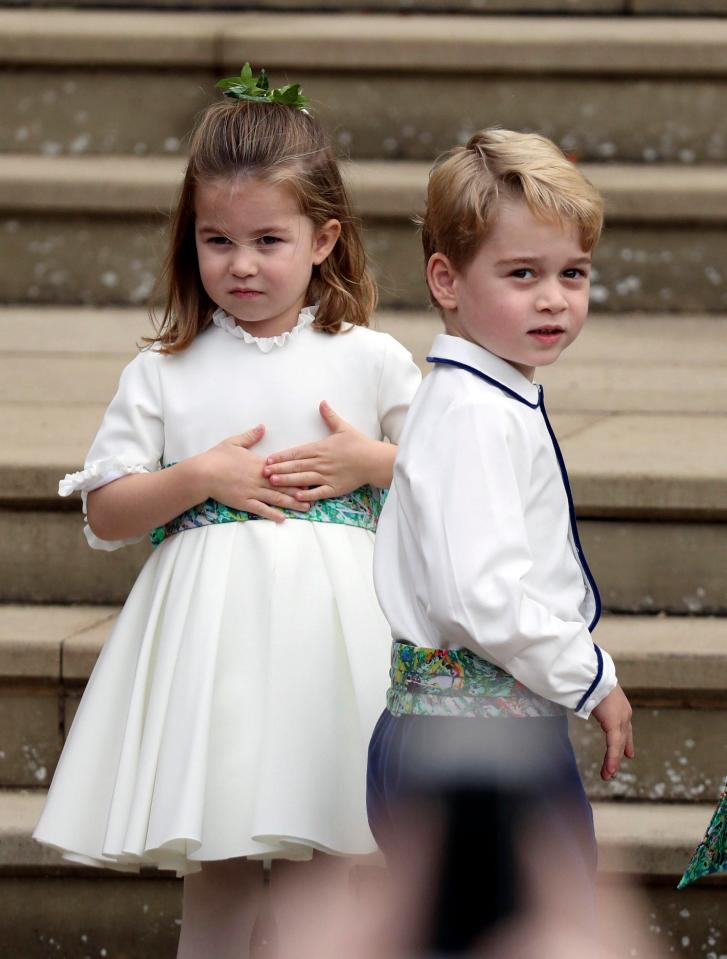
{"x": 550, "y": 299}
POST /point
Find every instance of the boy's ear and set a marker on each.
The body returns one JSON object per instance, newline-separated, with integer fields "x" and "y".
{"x": 440, "y": 277}
{"x": 325, "y": 239}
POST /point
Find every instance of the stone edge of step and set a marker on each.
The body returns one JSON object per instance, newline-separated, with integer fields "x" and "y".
{"x": 384, "y": 190}
{"x": 656, "y": 655}
{"x": 377, "y": 41}
{"x": 621, "y": 495}
{"x": 626, "y": 462}
{"x": 51, "y": 644}
{"x": 634, "y": 838}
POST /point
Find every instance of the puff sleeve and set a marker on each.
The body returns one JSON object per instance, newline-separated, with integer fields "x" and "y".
{"x": 399, "y": 381}
{"x": 130, "y": 438}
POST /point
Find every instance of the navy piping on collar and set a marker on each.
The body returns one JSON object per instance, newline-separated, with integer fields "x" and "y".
{"x": 484, "y": 376}
{"x": 569, "y": 496}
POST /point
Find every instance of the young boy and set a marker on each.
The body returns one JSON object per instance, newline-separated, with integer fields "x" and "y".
{"x": 478, "y": 565}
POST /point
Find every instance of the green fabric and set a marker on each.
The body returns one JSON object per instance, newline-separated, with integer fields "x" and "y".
{"x": 360, "y": 508}
{"x": 710, "y": 856}
{"x": 456, "y": 682}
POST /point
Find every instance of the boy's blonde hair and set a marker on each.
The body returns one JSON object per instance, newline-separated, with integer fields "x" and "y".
{"x": 467, "y": 182}
{"x": 275, "y": 143}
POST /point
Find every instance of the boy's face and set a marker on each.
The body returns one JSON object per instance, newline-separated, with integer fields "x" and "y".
{"x": 524, "y": 296}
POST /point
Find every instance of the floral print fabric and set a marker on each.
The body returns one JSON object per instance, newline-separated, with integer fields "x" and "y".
{"x": 456, "y": 682}
{"x": 360, "y": 508}
{"x": 710, "y": 856}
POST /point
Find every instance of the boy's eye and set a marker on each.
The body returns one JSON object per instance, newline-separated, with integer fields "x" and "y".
{"x": 575, "y": 274}
{"x": 522, "y": 273}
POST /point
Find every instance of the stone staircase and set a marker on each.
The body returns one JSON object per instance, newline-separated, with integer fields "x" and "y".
{"x": 96, "y": 105}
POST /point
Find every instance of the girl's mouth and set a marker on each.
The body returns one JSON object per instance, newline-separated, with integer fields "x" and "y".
{"x": 246, "y": 294}
{"x": 547, "y": 334}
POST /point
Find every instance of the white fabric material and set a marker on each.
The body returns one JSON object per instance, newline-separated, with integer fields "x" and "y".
{"x": 231, "y": 708}
{"x": 474, "y": 547}
{"x": 97, "y": 474}
{"x": 264, "y": 343}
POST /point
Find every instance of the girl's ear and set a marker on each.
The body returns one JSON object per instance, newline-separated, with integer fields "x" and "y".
{"x": 326, "y": 238}
{"x": 441, "y": 279}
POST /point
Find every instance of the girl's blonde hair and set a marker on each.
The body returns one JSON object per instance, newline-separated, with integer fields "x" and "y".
{"x": 275, "y": 143}
{"x": 466, "y": 183}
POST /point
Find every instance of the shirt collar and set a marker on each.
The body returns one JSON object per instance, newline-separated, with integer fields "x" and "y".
{"x": 455, "y": 350}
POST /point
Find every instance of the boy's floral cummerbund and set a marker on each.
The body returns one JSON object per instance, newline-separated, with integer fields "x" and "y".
{"x": 456, "y": 682}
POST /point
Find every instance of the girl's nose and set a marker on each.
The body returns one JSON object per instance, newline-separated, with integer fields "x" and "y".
{"x": 242, "y": 262}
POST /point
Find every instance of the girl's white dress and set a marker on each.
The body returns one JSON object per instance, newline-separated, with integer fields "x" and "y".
{"x": 231, "y": 708}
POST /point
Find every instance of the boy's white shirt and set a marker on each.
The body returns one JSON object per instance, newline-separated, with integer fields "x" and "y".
{"x": 474, "y": 546}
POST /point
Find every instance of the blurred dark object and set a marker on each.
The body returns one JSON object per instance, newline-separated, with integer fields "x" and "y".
{"x": 484, "y": 795}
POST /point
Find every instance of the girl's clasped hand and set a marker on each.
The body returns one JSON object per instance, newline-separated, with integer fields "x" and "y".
{"x": 333, "y": 466}
{"x": 296, "y": 477}
{"x": 237, "y": 479}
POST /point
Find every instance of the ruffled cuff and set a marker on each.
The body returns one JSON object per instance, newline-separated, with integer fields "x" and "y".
{"x": 107, "y": 545}
{"x": 94, "y": 476}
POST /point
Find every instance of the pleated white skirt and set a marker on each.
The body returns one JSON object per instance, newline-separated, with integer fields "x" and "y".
{"x": 230, "y": 711}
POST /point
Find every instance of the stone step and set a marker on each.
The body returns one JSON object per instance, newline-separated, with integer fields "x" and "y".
{"x": 90, "y": 230}
{"x": 637, "y": 402}
{"x": 627, "y": 364}
{"x": 682, "y": 8}
{"x": 674, "y": 670}
{"x": 352, "y": 42}
{"x": 62, "y": 909}
{"x": 58, "y": 908}
{"x": 641, "y": 565}
{"x": 638, "y": 838}
{"x": 617, "y": 88}
{"x": 629, "y": 380}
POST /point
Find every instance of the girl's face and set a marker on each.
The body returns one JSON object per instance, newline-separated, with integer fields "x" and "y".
{"x": 256, "y": 251}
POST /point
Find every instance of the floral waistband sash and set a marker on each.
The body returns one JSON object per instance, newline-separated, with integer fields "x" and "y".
{"x": 360, "y": 508}
{"x": 456, "y": 682}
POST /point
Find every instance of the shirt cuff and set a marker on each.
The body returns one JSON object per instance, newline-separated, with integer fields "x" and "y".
{"x": 604, "y": 682}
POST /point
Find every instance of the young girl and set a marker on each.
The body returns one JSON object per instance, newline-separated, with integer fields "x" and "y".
{"x": 229, "y": 715}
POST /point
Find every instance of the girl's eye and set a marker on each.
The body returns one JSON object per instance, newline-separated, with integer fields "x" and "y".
{"x": 269, "y": 240}
{"x": 218, "y": 240}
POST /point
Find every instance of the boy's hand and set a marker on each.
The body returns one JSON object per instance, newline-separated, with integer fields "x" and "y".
{"x": 234, "y": 476}
{"x": 334, "y": 466}
{"x": 614, "y": 717}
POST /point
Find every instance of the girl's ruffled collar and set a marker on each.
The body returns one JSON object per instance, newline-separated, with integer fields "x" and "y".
{"x": 264, "y": 343}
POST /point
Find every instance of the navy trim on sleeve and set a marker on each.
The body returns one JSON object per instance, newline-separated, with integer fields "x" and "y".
{"x": 596, "y": 681}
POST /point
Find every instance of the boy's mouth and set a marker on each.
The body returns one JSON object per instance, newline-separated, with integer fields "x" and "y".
{"x": 547, "y": 334}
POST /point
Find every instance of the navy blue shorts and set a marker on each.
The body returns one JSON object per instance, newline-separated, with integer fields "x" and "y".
{"x": 531, "y": 758}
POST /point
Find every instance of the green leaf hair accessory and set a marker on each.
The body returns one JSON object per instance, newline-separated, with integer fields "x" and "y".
{"x": 250, "y": 87}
